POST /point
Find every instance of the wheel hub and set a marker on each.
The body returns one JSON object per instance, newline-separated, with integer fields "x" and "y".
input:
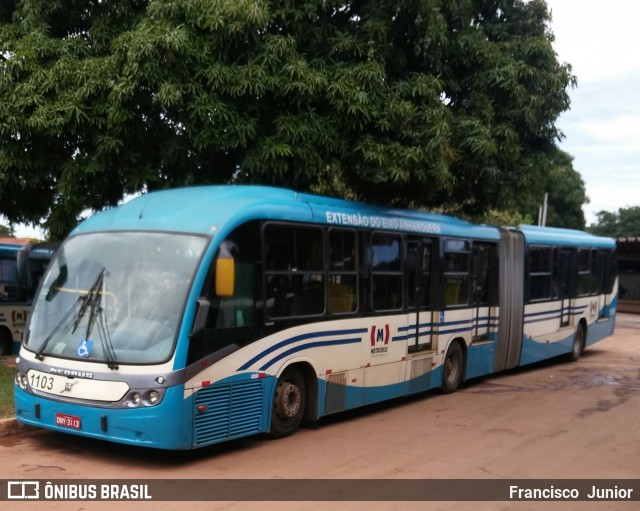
{"x": 288, "y": 400}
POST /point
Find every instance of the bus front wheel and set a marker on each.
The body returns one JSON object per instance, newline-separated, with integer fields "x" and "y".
{"x": 453, "y": 369}
{"x": 288, "y": 404}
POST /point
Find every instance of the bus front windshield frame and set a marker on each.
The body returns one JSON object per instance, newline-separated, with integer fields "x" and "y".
{"x": 115, "y": 297}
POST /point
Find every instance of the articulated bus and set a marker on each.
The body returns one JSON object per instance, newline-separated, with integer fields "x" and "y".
{"x": 21, "y": 266}
{"x": 195, "y": 316}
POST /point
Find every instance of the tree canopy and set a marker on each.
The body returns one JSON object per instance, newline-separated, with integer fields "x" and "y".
{"x": 447, "y": 104}
{"x": 623, "y": 223}
{"x": 566, "y": 191}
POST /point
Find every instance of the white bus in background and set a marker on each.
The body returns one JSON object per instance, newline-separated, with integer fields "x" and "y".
{"x": 21, "y": 266}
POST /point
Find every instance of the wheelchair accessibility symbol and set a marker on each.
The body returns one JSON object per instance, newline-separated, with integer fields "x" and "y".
{"x": 84, "y": 349}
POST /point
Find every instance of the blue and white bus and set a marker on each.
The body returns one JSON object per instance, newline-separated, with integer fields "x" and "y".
{"x": 21, "y": 266}
{"x": 194, "y": 316}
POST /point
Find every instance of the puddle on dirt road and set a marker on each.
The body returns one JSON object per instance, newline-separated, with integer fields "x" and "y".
{"x": 587, "y": 382}
{"x": 583, "y": 381}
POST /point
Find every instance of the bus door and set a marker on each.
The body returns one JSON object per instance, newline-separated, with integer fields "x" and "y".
{"x": 563, "y": 282}
{"x": 484, "y": 290}
{"x": 385, "y": 359}
{"x": 420, "y": 325}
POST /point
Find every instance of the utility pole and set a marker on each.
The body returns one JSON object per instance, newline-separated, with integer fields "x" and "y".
{"x": 542, "y": 211}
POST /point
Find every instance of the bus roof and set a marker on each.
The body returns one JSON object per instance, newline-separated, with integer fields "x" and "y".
{"x": 213, "y": 209}
{"x": 535, "y": 235}
{"x": 11, "y": 246}
{"x": 207, "y": 209}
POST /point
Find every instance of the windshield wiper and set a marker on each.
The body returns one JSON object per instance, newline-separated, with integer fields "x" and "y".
{"x": 81, "y": 304}
{"x": 40, "y": 353}
{"x": 87, "y": 300}
{"x": 90, "y": 301}
{"x": 96, "y": 312}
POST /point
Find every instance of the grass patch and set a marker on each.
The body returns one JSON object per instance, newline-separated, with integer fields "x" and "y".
{"x": 6, "y": 391}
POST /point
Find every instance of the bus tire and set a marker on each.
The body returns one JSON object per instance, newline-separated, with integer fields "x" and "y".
{"x": 5, "y": 343}
{"x": 578, "y": 344}
{"x": 289, "y": 401}
{"x": 453, "y": 369}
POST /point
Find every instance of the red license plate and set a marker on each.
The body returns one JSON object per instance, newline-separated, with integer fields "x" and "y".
{"x": 67, "y": 421}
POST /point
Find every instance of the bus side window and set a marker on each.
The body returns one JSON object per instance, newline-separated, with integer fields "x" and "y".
{"x": 565, "y": 272}
{"x": 607, "y": 269}
{"x": 386, "y": 274}
{"x": 587, "y": 272}
{"x": 540, "y": 281}
{"x": 294, "y": 271}
{"x": 457, "y": 259}
{"x": 343, "y": 271}
{"x": 483, "y": 273}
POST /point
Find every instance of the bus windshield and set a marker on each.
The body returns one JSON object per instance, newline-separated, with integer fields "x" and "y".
{"x": 115, "y": 297}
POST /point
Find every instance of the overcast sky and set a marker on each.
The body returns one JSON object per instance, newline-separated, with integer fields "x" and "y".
{"x": 602, "y": 129}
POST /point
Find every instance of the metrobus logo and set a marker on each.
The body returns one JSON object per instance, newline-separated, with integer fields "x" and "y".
{"x": 379, "y": 340}
{"x": 19, "y": 316}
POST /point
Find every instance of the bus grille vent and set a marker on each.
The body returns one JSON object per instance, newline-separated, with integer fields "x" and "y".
{"x": 232, "y": 410}
{"x": 338, "y": 378}
{"x": 336, "y": 393}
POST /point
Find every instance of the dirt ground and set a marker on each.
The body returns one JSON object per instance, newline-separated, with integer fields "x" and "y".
{"x": 554, "y": 421}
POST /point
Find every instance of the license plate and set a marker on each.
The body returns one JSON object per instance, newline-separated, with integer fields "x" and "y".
{"x": 67, "y": 421}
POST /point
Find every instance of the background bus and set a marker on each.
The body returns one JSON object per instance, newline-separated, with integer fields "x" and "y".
{"x": 22, "y": 264}
{"x": 194, "y": 316}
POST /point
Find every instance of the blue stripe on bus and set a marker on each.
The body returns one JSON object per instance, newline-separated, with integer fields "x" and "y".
{"x": 436, "y": 332}
{"x": 291, "y": 340}
{"x": 572, "y": 310}
{"x": 435, "y": 329}
{"x": 553, "y": 314}
{"x": 310, "y": 345}
{"x": 491, "y": 322}
{"x": 547, "y": 318}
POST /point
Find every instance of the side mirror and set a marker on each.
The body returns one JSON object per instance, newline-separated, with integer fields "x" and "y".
{"x": 201, "y": 316}
{"x": 226, "y": 269}
{"x": 225, "y": 277}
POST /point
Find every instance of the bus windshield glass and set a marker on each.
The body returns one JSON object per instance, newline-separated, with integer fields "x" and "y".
{"x": 115, "y": 297}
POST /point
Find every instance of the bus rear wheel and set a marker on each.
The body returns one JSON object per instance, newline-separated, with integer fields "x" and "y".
{"x": 578, "y": 344}
{"x": 289, "y": 401}
{"x": 453, "y": 369}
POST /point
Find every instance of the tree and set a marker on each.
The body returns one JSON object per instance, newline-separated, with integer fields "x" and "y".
{"x": 424, "y": 103}
{"x": 6, "y": 232}
{"x": 623, "y": 223}
{"x": 566, "y": 193}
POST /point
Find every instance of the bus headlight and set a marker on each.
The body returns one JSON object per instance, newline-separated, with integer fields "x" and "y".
{"x": 136, "y": 398}
{"x": 21, "y": 380}
{"x": 153, "y": 397}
